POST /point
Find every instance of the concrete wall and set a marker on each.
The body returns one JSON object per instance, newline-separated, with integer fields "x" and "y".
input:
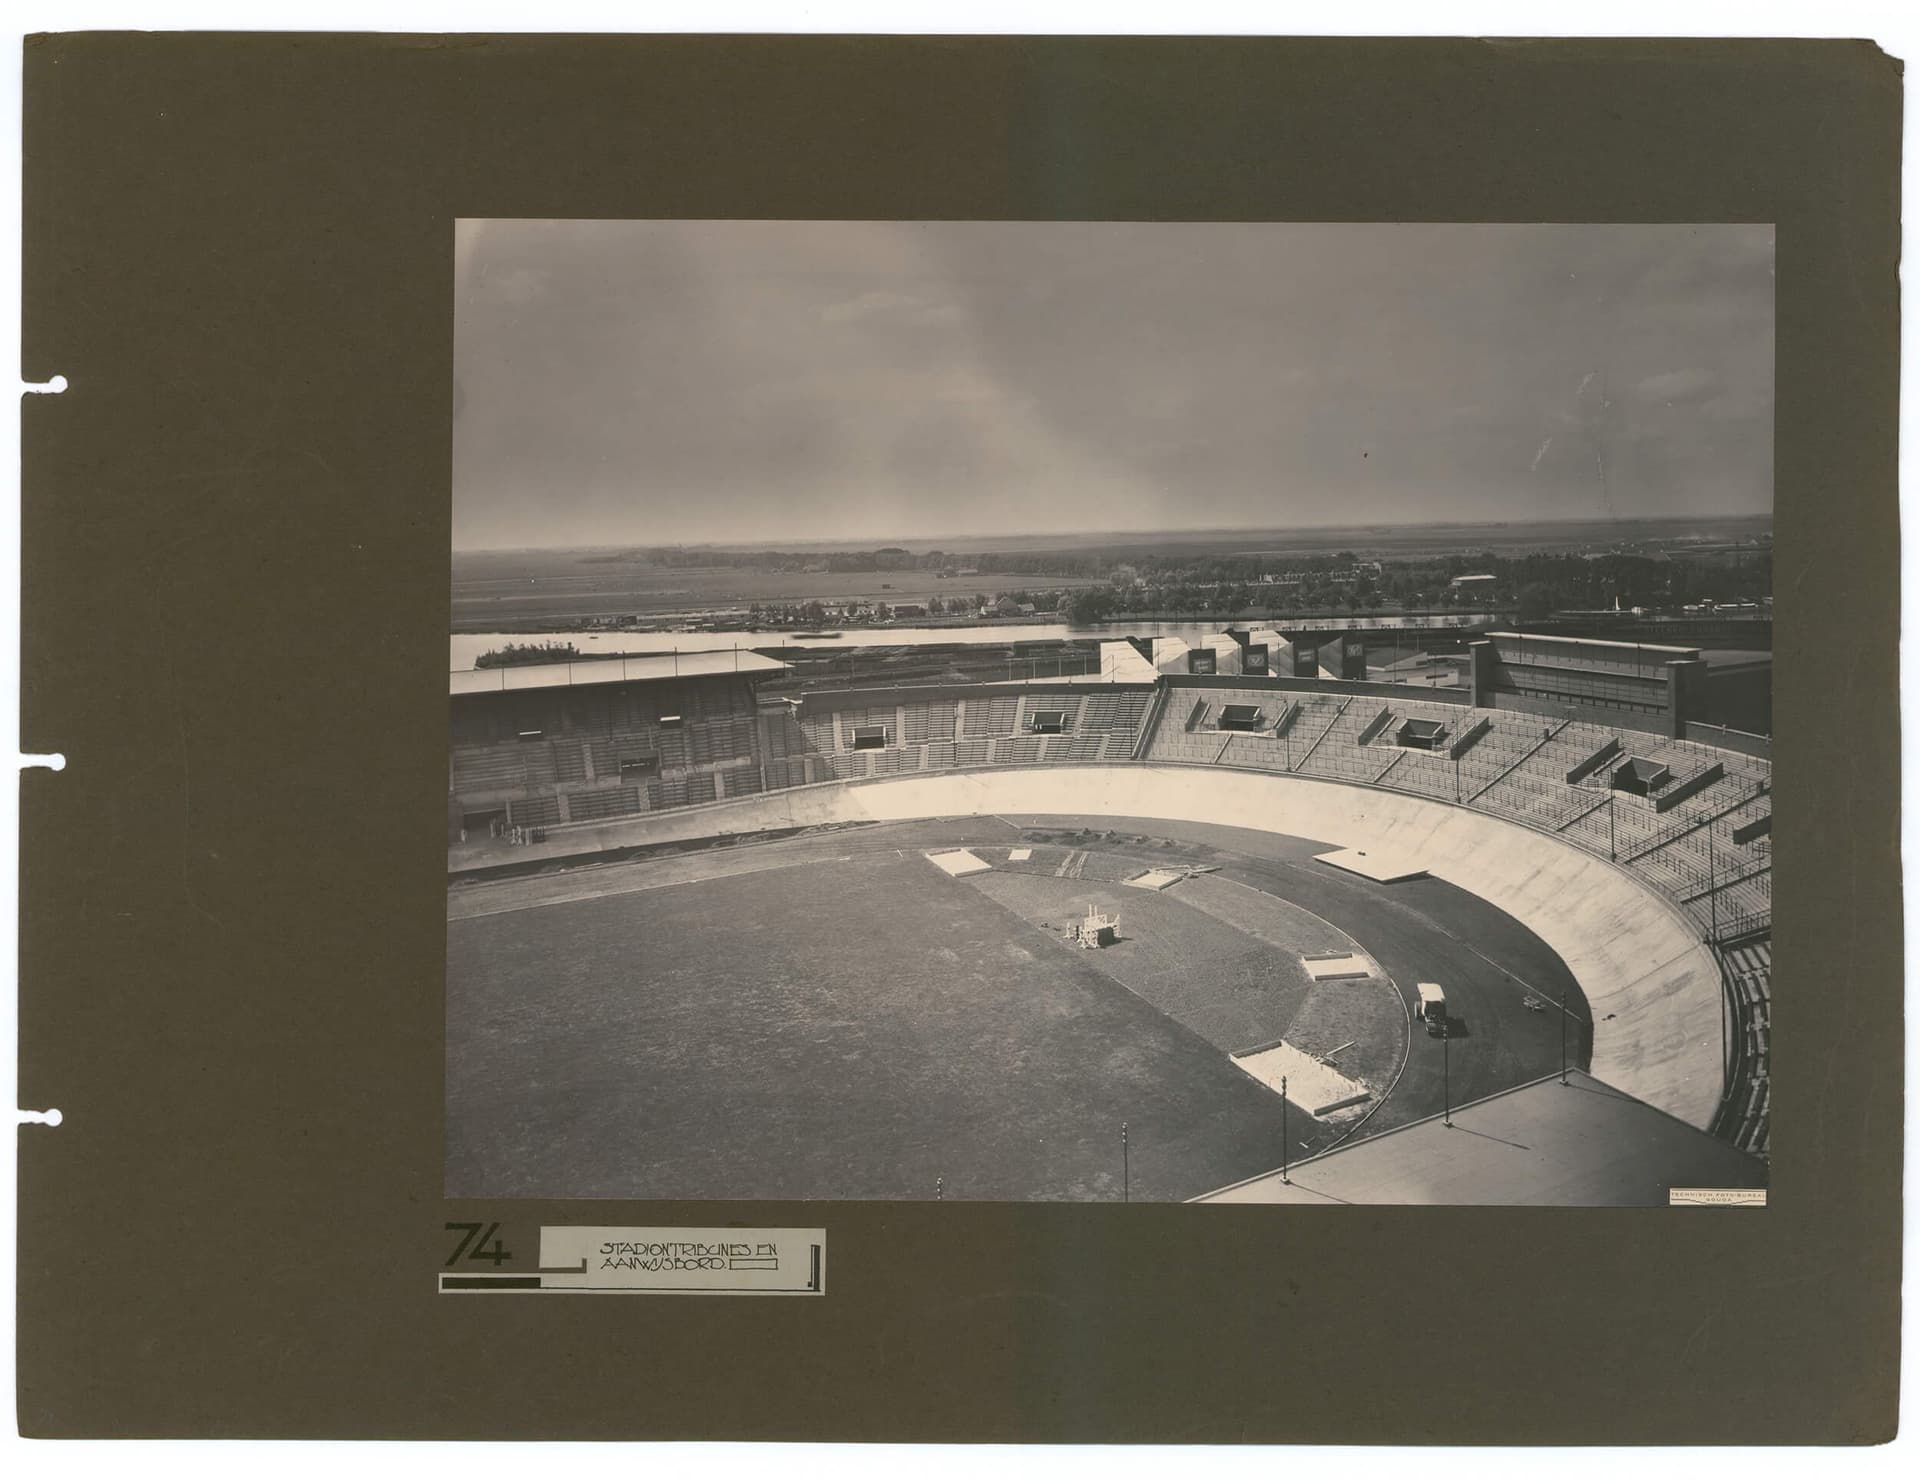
{"x": 1739, "y": 696}
{"x": 1338, "y": 688}
{"x": 859, "y": 697}
{"x": 1653, "y": 987}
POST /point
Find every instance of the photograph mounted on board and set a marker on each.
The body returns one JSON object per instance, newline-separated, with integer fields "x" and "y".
{"x": 1035, "y": 711}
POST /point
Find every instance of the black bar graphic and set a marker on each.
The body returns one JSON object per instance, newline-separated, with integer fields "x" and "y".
{"x": 489, "y": 1282}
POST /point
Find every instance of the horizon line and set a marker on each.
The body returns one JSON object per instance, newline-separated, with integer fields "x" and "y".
{"x": 864, "y": 542}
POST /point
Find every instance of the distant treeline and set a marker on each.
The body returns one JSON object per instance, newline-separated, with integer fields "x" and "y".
{"x": 1529, "y": 586}
{"x": 1654, "y": 575}
{"x": 518, "y": 653}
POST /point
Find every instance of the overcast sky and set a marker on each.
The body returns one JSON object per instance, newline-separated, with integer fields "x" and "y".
{"x": 633, "y": 382}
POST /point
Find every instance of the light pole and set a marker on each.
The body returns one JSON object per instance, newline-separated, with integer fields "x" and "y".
{"x": 1126, "y": 1172}
{"x": 1612, "y": 853}
{"x": 1563, "y": 1038}
{"x": 1713, "y": 881}
{"x": 1446, "y": 1074}
{"x": 1284, "y": 1146}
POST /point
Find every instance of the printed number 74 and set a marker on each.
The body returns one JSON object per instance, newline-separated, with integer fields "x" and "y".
{"x": 481, "y": 1249}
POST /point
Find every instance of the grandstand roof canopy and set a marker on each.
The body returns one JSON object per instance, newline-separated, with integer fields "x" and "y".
{"x": 1582, "y": 1143}
{"x": 611, "y": 671}
{"x": 1735, "y": 658}
{"x": 1621, "y": 643}
{"x": 1121, "y": 663}
{"x": 1405, "y": 622}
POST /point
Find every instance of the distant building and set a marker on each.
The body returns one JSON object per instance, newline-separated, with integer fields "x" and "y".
{"x": 1472, "y": 582}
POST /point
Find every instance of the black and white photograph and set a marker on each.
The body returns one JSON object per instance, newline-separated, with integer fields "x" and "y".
{"x": 1041, "y": 711}
{"x": 1108, "y": 743}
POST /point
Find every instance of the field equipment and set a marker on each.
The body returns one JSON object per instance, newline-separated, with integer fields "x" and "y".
{"x": 1096, "y": 930}
{"x": 1433, "y": 1009}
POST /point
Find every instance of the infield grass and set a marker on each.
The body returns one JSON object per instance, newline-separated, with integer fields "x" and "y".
{"x": 850, "y": 1029}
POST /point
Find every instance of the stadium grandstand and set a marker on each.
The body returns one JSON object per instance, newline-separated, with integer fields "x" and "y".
{"x": 552, "y": 744}
{"x": 1594, "y": 746}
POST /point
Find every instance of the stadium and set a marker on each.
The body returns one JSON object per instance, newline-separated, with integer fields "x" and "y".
{"x": 1068, "y": 937}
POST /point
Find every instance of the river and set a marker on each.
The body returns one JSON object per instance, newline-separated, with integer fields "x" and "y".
{"x": 465, "y": 648}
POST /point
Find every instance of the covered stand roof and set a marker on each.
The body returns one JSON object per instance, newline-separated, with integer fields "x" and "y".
{"x": 612, "y": 671}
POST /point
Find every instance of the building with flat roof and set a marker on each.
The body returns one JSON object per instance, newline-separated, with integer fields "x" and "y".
{"x": 1649, "y": 686}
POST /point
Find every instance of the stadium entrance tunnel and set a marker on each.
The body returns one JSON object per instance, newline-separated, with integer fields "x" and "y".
{"x": 1651, "y": 984}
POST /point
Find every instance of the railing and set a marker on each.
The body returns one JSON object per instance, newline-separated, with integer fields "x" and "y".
{"x": 1150, "y": 721}
{"x": 1691, "y": 824}
{"x": 1734, "y": 929}
{"x": 1722, "y": 738}
{"x": 1525, "y": 756}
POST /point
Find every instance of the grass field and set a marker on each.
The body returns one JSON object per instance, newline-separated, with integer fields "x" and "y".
{"x": 1232, "y": 990}
{"x": 841, "y": 1030}
{"x": 1224, "y": 960}
{"x": 838, "y": 1019}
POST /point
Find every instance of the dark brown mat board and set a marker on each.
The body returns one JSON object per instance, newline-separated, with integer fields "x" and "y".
{"x": 235, "y": 589}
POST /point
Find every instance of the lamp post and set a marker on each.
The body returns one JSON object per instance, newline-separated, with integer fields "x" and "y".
{"x": 1713, "y": 883}
{"x": 1126, "y": 1173}
{"x": 1563, "y": 1038}
{"x": 1285, "y": 1148}
{"x": 1446, "y": 1074}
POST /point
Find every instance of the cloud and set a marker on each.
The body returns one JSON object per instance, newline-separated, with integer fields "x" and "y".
{"x": 1679, "y": 385}
{"x": 668, "y": 380}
